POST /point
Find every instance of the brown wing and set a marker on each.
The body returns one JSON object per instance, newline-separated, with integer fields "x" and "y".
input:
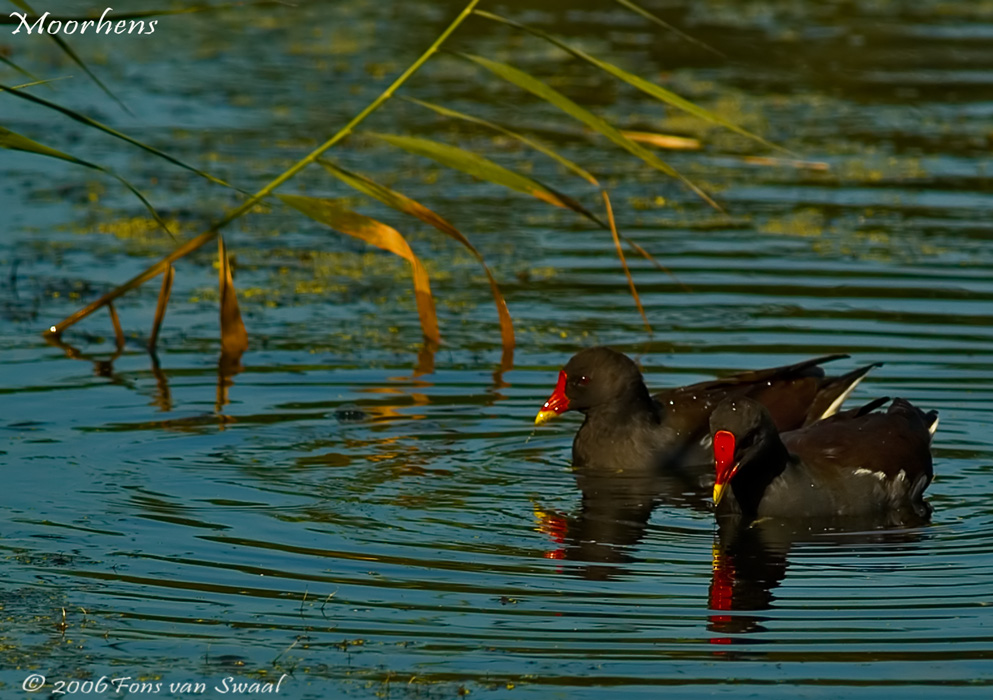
{"x": 787, "y": 392}
{"x": 891, "y": 442}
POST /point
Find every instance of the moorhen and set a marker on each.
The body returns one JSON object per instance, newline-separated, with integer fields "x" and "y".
{"x": 629, "y": 430}
{"x": 855, "y": 462}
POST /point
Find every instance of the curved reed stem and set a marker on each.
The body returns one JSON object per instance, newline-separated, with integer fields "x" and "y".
{"x": 211, "y": 233}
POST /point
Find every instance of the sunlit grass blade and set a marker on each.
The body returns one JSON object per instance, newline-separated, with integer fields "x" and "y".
{"x": 118, "y": 331}
{"x": 73, "y": 56}
{"x": 17, "y": 142}
{"x": 536, "y": 145}
{"x": 160, "y": 308}
{"x": 333, "y": 214}
{"x": 648, "y": 87}
{"x": 234, "y": 337}
{"x": 23, "y": 86}
{"x": 666, "y": 141}
{"x": 624, "y": 262}
{"x": 406, "y": 205}
{"x": 602, "y": 126}
{"x": 14, "y": 141}
{"x": 668, "y": 27}
{"x": 82, "y": 119}
{"x": 484, "y": 169}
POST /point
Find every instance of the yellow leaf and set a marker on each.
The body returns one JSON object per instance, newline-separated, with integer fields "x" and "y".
{"x": 333, "y": 214}
{"x": 406, "y": 205}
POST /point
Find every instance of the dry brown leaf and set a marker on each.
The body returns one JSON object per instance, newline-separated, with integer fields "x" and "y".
{"x": 666, "y": 141}
{"x": 118, "y": 331}
{"x": 234, "y": 337}
{"x": 160, "y": 309}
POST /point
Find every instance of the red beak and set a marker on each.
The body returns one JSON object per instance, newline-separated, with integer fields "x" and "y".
{"x": 557, "y": 404}
{"x": 723, "y": 462}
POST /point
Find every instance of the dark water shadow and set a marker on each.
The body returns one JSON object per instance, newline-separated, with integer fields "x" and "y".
{"x": 613, "y": 516}
{"x": 752, "y": 558}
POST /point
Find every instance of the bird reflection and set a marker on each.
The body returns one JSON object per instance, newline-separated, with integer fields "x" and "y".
{"x": 751, "y": 558}
{"x": 614, "y": 514}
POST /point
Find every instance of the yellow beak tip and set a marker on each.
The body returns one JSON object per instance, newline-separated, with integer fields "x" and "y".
{"x": 544, "y": 417}
{"x": 718, "y": 493}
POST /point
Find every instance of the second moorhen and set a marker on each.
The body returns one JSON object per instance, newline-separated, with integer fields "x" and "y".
{"x": 629, "y": 430}
{"x": 855, "y": 462}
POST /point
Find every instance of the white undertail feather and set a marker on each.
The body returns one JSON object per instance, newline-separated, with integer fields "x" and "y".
{"x": 933, "y": 427}
{"x": 842, "y": 397}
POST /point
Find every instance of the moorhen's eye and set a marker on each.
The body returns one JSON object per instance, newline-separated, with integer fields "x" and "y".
{"x": 583, "y": 380}
{"x": 746, "y": 442}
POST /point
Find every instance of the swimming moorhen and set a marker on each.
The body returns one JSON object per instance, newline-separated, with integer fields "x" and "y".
{"x": 628, "y": 430}
{"x": 855, "y": 462}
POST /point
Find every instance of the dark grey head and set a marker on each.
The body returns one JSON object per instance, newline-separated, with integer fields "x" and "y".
{"x": 595, "y": 378}
{"x": 745, "y": 418}
{"x": 745, "y": 439}
{"x": 598, "y": 376}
